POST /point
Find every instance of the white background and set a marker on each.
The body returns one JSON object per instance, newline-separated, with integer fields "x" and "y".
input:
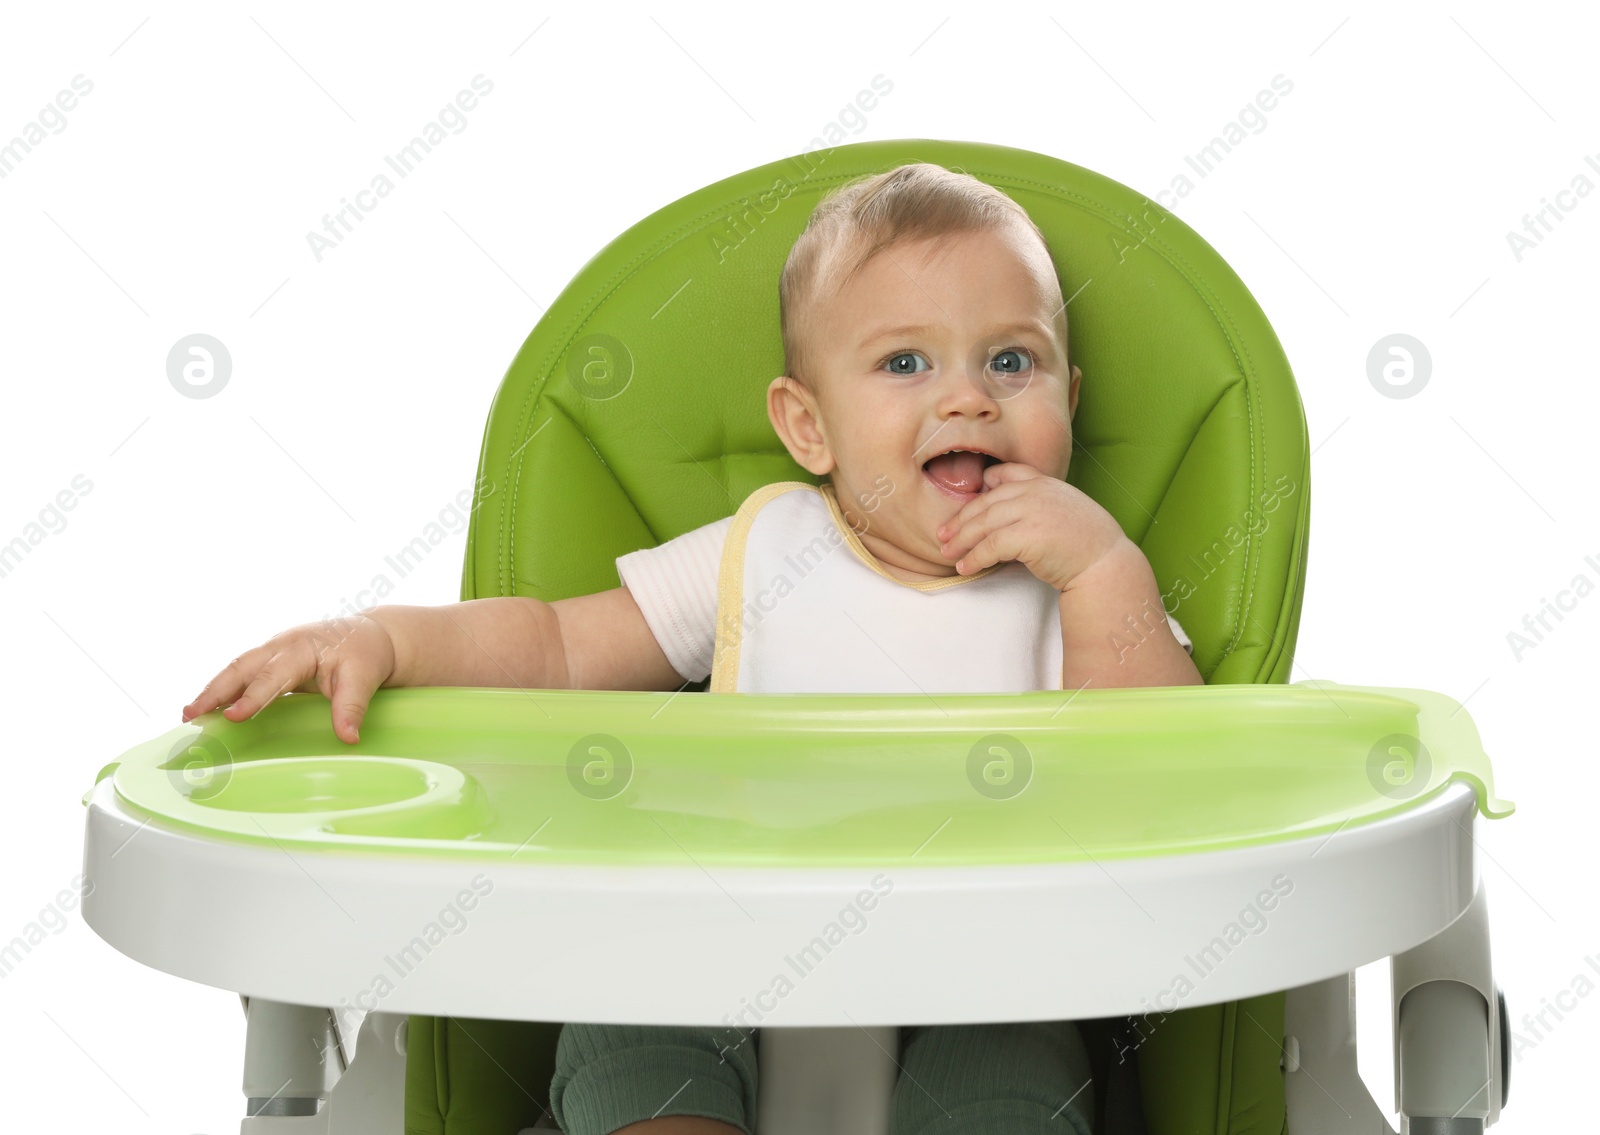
{"x": 178, "y": 197}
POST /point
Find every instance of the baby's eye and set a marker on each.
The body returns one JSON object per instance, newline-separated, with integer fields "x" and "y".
{"x": 895, "y": 362}
{"x": 1012, "y": 361}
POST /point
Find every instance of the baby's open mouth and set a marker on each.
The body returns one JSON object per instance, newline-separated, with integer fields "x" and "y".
{"x": 960, "y": 471}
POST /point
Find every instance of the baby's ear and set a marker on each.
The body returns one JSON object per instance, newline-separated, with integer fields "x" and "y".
{"x": 1072, "y": 393}
{"x": 792, "y": 409}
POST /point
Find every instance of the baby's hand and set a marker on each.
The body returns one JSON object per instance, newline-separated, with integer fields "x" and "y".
{"x": 350, "y": 657}
{"x": 1053, "y": 528}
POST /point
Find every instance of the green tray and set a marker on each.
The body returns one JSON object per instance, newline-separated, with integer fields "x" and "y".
{"x": 802, "y": 780}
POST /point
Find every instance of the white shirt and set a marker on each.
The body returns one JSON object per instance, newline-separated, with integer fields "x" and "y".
{"x": 838, "y": 621}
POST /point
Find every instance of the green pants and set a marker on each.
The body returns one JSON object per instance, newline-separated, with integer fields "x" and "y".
{"x": 1017, "y": 1079}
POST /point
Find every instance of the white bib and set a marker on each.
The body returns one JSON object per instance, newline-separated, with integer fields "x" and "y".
{"x": 804, "y": 607}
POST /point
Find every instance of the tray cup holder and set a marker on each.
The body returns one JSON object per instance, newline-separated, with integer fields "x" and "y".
{"x": 350, "y": 795}
{"x": 326, "y": 784}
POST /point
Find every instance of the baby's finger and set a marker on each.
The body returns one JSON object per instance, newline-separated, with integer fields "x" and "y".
{"x": 1008, "y": 471}
{"x": 350, "y": 687}
{"x": 950, "y": 531}
{"x": 282, "y": 672}
{"x": 999, "y": 546}
{"x": 979, "y": 558}
{"x": 223, "y": 688}
{"x": 961, "y": 540}
{"x": 976, "y": 507}
{"x": 963, "y": 537}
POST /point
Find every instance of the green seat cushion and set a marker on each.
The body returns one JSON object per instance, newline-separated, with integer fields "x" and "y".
{"x": 475, "y": 1077}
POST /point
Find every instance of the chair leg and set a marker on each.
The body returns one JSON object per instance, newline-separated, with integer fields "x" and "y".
{"x": 1322, "y": 1084}
{"x": 295, "y": 1076}
{"x": 826, "y": 1081}
{"x": 286, "y": 1068}
{"x": 370, "y": 1098}
{"x": 1449, "y": 1065}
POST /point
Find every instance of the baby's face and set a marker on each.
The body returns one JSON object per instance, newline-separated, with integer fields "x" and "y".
{"x": 920, "y": 353}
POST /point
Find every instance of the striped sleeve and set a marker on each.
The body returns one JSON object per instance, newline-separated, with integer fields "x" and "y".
{"x": 675, "y": 585}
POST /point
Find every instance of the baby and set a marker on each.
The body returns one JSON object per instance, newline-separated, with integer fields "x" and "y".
{"x": 925, "y": 342}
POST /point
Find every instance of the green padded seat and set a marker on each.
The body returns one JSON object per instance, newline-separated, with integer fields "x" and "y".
{"x": 635, "y": 412}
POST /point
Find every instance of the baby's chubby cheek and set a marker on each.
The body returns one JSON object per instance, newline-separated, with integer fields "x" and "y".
{"x": 944, "y": 529}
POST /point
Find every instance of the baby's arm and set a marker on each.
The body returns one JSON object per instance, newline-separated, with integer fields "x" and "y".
{"x": 1100, "y": 646}
{"x": 587, "y": 642}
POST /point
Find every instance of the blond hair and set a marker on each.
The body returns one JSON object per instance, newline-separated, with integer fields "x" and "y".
{"x": 861, "y": 218}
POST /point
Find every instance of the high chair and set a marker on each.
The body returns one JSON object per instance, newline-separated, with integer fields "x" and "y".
{"x": 1193, "y": 873}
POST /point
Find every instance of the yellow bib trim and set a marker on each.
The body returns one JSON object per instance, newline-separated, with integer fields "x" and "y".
{"x": 730, "y": 576}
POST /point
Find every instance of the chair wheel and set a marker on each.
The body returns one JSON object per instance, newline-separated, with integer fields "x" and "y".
{"x": 1444, "y": 1059}
{"x": 1505, "y": 1046}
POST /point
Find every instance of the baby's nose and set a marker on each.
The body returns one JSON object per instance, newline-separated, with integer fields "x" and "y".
{"x": 969, "y": 389}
